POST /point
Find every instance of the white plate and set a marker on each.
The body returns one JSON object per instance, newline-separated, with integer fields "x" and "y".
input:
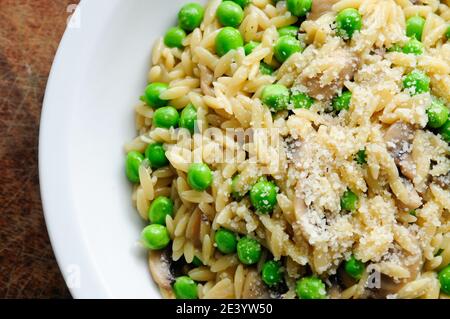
{"x": 98, "y": 75}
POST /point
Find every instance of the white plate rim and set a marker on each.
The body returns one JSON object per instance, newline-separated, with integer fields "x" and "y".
{"x": 54, "y": 196}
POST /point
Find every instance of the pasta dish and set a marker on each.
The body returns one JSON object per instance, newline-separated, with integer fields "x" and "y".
{"x": 297, "y": 149}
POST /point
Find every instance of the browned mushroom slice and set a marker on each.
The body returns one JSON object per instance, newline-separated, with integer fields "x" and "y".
{"x": 443, "y": 181}
{"x": 390, "y": 286}
{"x": 387, "y": 287}
{"x": 319, "y": 86}
{"x": 399, "y": 138}
{"x": 321, "y": 7}
{"x": 344, "y": 280}
{"x": 254, "y": 288}
{"x": 160, "y": 268}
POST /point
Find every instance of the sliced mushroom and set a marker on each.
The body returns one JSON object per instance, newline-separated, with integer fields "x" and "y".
{"x": 160, "y": 268}
{"x": 390, "y": 286}
{"x": 299, "y": 208}
{"x": 254, "y": 288}
{"x": 399, "y": 138}
{"x": 343, "y": 279}
{"x": 321, "y": 7}
{"x": 387, "y": 287}
{"x": 443, "y": 181}
{"x": 325, "y": 84}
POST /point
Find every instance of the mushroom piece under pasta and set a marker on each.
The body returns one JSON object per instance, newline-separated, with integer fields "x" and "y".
{"x": 160, "y": 267}
{"x": 399, "y": 138}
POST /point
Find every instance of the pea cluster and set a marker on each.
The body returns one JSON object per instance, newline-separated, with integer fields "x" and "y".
{"x": 414, "y": 30}
{"x": 249, "y": 253}
{"x": 230, "y": 15}
{"x": 263, "y": 194}
{"x": 189, "y": 18}
{"x": 417, "y": 82}
{"x": 156, "y": 236}
{"x": 166, "y": 116}
{"x": 277, "y": 97}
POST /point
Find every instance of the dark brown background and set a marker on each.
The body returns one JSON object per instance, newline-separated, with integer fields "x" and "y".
{"x": 30, "y": 31}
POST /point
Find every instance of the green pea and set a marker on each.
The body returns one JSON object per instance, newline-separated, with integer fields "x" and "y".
{"x": 152, "y": 93}
{"x": 266, "y": 69}
{"x": 413, "y": 212}
{"x": 174, "y": 37}
{"x": 191, "y": 16}
{"x": 445, "y": 131}
{"x": 395, "y": 48}
{"x": 159, "y": 209}
{"x": 444, "y": 280}
{"x": 188, "y": 118}
{"x": 235, "y": 192}
{"x": 197, "y": 262}
{"x": 447, "y": 33}
{"x": 342, "y": 102}
{"x": 199, "y": 176}
{"x": 354, "y": 268}
{"x": 133, "y": 161}
{"x": 414, "y": 27}
{"x": 228, "y": 39}
{"x": 310, "y": 288}
{"x": 230, "y": 14}
{"x": 155, "y": 237}
{"x": 242, "y": 3}
{"x": 272, "y": 273}
{"x": 249, "y": 250}
{"x": 249, "y": 47}
{"x": 361, "y": 157}
{"x": 263, "y": 196}
{"x": 276, "y": 97}
{"x": 348, "y": 21}
{"x": 285, "y": 47}
{"x": 226, "y": 241}
{"x": 156, "y": 155}
{"x": 299, "y": 8}
{"x": 416, "y": 82}
{"x": 166, "y": 117}
{"x": 301, "y": 100}
{"x": 413, "y": 46}
{"x": 291, "y": 30}
{"x": 349, "y": 201}
{"x": 185, "y": 288}
{"x": 437, "y": 114}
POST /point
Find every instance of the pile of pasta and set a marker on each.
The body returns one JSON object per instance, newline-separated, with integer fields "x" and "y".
{"x": 311, "y": 156}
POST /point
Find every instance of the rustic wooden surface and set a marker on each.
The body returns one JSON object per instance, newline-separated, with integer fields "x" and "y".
{"x": 29, "y": 35}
